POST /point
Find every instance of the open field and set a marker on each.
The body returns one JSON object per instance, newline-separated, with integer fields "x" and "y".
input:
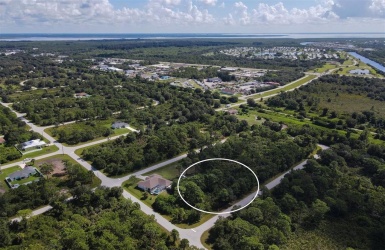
{"x": 169, "y": 172}
{"x": 325, "y": 67}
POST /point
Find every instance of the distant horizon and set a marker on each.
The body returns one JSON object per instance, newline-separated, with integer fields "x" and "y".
{"x": 229, "y": 33}
{"x": 16, "y": 37}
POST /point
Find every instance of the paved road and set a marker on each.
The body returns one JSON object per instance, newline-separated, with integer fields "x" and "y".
{"x": 35, "y": 212}
{"x": 193, "y": 235}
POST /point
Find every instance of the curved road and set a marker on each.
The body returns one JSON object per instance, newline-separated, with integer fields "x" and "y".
{"x": 193, "y": 235}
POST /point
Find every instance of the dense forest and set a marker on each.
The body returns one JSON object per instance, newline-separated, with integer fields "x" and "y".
{"x": 213, "y": 185}
{"x": 342, "y": 193}
{"x": 133, "y": 152}
{"x": 94, "y": 219}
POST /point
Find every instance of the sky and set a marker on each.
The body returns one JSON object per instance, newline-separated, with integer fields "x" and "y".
{"x": 191, "y": 16}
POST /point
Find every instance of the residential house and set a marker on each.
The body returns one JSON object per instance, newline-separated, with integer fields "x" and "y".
{"x": 154, "y": 184}
{"x": 232, "y": 111}
{"x": 360, "y": 71}
{"x": 22, "y": 174}
{"x": 33, "y": 144}
{"x": 214, "y": 79}
{"x": 2, "y": 140}
{"x": 228, "y": 91}
{"x": 118, "y": 124}
{"x": 82, "y": 95}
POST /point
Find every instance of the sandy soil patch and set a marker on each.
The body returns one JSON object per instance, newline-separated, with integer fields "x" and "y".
{"x": 58, "y": 167}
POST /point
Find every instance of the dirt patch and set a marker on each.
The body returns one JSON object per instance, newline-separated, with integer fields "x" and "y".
{"x": 58, "y": 167}
{"x": 2, "y": 190}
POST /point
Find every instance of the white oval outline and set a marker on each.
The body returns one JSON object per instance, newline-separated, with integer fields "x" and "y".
{"x": 218, "y": 213}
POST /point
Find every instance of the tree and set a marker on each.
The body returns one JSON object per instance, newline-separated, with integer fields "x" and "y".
{"x": 174, "y": 237}
{"x": 184, "y": 244}
{"x": 46, "y": 168}
{"x": 144, "y": 196}
{"x": 192, "y": 193}
{"x": 251, "y": 102}
{"x": 317, "y": 212}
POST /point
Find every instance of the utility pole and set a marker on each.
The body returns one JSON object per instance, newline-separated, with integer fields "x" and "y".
{"x": 62, "y": 149}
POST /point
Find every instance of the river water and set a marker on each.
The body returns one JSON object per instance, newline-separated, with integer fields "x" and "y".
{"x": 368, "y": 61}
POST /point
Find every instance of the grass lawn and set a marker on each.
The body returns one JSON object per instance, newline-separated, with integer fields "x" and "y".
{"x": 204, "y": 238}
{"x": 29, "y": 179}
{"x": 168, "y": 172}
{"x": 4, "y": 173}
{"x": 45, "y": 150}
{"x": 251, "y": 119}
{"x": 325, "y": 68}
{"x": 130, "y": 186}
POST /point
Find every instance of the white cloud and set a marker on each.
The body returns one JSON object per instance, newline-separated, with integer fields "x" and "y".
{"x": 209, "y": 2}
{"x": 242, "y": 12}
{"x": 279, "y": 14}
{"x": 184, "y": 15}
{"x": 378, "y": 7}
{"x": 51, "y": 12}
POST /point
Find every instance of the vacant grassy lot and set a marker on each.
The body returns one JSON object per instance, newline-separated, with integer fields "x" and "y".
{"x": 326, "y": 67}
{"x": 169, "y": 172}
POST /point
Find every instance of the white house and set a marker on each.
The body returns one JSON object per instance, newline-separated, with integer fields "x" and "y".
{"x": 33, "y": 144}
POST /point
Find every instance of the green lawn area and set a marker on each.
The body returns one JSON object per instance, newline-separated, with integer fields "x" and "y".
{"x": 325, "y": 67}
{"x": 29, "y": 179}
{"x": 204, "y": 238}
{"x": 130, "y": 186}
{"x": 4, "y": 173}
{"x": 45, "y": 150}
{"x": 169, "y": 172}
{"x": 251, "y": 119}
